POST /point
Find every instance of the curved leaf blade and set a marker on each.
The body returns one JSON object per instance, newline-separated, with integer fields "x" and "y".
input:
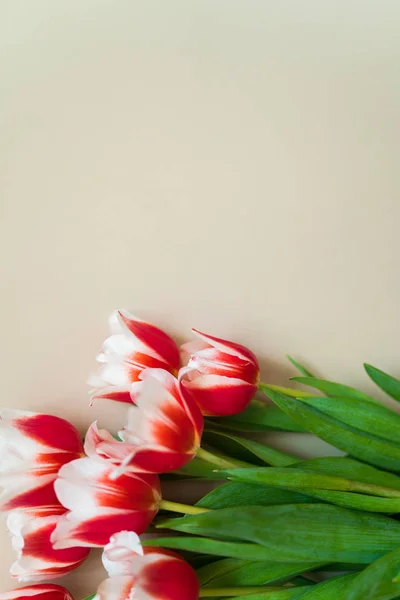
{"x": 384, "y": 381}
{"x": 376, "y": 581}
{"x": 264, "y": 417}
{"x": 365, "y": 447}
{"x": 301, "y": 368}
{"x": 330, "y": 388}
{"x": 264, "y": 453}
{"x": 250, "y": 494}
{"x": 375, "y": 419}
{"x": 231, "y": 572}
{"x": 351, "y": 469}
{"x": 300, "y": 532}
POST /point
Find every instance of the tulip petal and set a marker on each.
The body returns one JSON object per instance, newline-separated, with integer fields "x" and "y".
{"x": 86, "y": 484}
{"x": 117, "y": 588}
{"x": 120, "y": 374}
{"x": 93, "y": 528}
{"x": 44, "y": 591}
{"x": 119, "y": 554}
{"x": 101, "y": 506}
{"x": 214, "y": 362}
{"x": 118, "y": 394}
{"x": 36, "y": 557}
{"x": 95, "y": 436}
{"x": 217, "y": 395}
{"x": 227, "y": 346}
{"x": 47, "y": 430}
{"x": 168, "y": 577}
{"x": 157, "y": 341}
{"x": 34, "y": 494}
{"x": 189, "y": 348}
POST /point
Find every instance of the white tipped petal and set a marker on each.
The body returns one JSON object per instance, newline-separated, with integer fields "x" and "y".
{"x": 114, "y": 323}
{"x": 115, "y": 374}
{"x": 121, "y": 345}
{"x": 118, "y": 588}
{"x": 74, "y": 485}
{"x": 120, "y": 554}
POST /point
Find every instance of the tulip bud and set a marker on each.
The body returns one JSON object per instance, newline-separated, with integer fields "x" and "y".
{"x": 163, "y": 432}
{"x": 151, "y": 573}
{"x": 36, "y": 557}
{"x": 133, "y": 346}
{"x": 221, "y": 376}
{"x": 33, "y": 449}
{"x": 99, "y": 506}
{"x": 46, "y": 591}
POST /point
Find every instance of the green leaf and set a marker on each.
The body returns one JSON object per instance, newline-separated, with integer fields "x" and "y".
{"x": 386, "y": 382}
{"x": 263, "y": 416}
{"x": 298, "y": 478}
{"x": 299, "y": 532}
{"x": 365, "y": 416}
{"x": 250, "y": 494}
{"x": 376, "y": 581}
{"x": 333, "y": 589}
{"x": 292, "y": 393}
{"x": 300, "y": 367}
{"x": 356, "y": 501}
{"x": 330, "y": 388}
{"x": 350, "y": 469}
{"x": 215, "y": 547}
{"x": 248, "y": 450}
{"x": 365, "y": 447}
{"x": 199, "y": 468}
{"x": 271, "y": 594}
{"x": 231, "y": 572}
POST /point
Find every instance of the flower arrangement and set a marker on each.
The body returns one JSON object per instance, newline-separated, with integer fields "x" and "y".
{"x": 271, "y": 523}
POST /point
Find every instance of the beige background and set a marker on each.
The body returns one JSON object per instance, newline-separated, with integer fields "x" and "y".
{"x": 230, "y": 165}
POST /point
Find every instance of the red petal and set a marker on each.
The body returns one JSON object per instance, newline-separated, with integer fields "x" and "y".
{"x": 45, "y": 591}
{"x": 219, "y": 401}
{"x": 158, "y": 461}
{"x": 37, "y": 544}
{"x": 154, "y": 338}
{"x": 133, "y": 492}
{"x": 97, "y": 531}
{"x": 228, "y": 347}
{"x": 41, "y": 497}
{"x": 51, "y": 431}
{"x": 111, "y": 393}
{"x": 213, "y": 361}
{"x": 170, "y": 579}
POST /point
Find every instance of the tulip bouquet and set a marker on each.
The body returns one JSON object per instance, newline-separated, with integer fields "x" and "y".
{"x": 270, "y": 522}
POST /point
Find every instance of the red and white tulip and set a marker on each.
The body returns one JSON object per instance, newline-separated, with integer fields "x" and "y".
{"x": 163, "y": 432}
{"x": 149, "y": 573}
{"x": 221, "y": 376}
{"x": 33, "y": 448}
{"x": 134, "y": 345}
{"x": 99, "y": 506}
{"x": 36, "y": 557}
{"x": 46, "y": 591}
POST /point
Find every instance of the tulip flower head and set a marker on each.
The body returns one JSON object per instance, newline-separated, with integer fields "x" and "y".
{"x": 221, "y": 376}
{"x": 36, "y": 558}
{"x": 133, "y": 346}
{"x": 149, "y": 573}
{"x": 163, "y": 432}
{"x": 99, "y": 506}
{"x": 46, "y": 591}
{"x": 33, "y": 448}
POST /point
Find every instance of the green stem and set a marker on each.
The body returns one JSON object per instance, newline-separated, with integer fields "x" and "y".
{"x": 236, "y": 591}
{"x": 219, "y": 461}
{"x": 186, "y": 509}
{"x": 293, "y": 393}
